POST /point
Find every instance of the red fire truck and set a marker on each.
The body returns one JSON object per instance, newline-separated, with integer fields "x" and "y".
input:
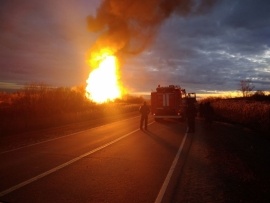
{"x": 169, "y": 102}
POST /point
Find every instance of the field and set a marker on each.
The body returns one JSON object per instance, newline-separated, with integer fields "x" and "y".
{"x": 38, "y": 107}
{"x": 247, "y": 112}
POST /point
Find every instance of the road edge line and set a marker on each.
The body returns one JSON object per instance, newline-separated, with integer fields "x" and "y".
{"x": 170, "y": 172}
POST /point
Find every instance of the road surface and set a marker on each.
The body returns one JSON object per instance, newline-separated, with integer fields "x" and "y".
{"x": 115, "y": 162}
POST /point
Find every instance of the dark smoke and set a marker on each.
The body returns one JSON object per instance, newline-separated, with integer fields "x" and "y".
{"x": 128, "y": 26}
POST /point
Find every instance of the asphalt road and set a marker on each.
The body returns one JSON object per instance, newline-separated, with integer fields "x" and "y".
{"x": 225, "y": 163}
{"x": 116, "y": 162}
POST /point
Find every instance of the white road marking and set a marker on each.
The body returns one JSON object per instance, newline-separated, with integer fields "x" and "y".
{"x": 22, "y": 184}
{"x": 169, "y": 175}
{"x": 49, "y": 140}
{"x": 62, "y": 165}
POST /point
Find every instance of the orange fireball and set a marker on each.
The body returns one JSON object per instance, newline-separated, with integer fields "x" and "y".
{"x": 103, "y": 82}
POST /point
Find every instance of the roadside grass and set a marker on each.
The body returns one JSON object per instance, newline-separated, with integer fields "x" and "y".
{"x": 247, "y": 112}
{"x": 39, "y": 107}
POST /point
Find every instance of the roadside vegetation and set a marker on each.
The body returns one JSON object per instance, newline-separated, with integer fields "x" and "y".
{"x": 39, "y": 106}
{"x": 252, "y": 111}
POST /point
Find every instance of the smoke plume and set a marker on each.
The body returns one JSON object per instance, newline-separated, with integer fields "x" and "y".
{"x": 128, "y": 26}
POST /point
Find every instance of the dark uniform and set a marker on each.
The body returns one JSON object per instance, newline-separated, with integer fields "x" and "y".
{"x": 191, "y": 113}
{"x": 208, "y": 115}
{"x": 144, "y": 110}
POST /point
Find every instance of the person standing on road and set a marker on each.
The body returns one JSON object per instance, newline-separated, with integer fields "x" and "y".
{"x": 144, "y": 110}
{"x": 191, "y": 113}
{"x": 208, "y": 114}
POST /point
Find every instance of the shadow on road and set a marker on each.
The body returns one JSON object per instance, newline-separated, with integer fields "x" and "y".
{"x": 161, "y": 140}
{"x": 173, "y": 126}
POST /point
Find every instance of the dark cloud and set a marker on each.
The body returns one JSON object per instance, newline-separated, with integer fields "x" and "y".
{"x": 227, "y": 44}
{"x": 200, "y": 45}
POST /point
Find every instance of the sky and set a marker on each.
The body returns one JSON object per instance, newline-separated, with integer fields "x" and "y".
{"x": 203, "y": 46}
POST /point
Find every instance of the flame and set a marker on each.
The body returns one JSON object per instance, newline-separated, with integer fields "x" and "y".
{"x": 103, "y": 82}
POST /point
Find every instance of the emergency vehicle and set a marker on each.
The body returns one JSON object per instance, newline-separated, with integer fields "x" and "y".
{"x": 170, "y": 102}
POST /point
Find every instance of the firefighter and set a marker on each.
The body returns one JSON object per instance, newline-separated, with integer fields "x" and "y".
{"x": 144, "y": 110}
{"x": 208, "y": 114}
{"x": 191, "y": 113}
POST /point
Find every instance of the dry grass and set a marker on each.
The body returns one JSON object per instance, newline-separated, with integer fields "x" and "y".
{"x": 38, "y": 107}
{"x": 254, "y": 114}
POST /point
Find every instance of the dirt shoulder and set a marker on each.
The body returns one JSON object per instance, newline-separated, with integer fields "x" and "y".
{"x": 225, "y": 164}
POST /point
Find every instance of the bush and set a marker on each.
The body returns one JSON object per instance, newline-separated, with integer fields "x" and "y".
{"x": 40, "y": 106}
